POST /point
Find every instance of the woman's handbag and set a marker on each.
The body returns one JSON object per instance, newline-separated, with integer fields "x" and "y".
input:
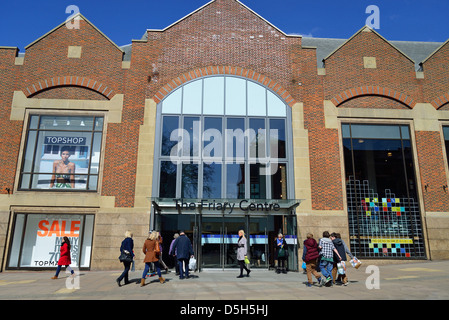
{"x": 246, "y": 260}
{"x": 157, "y": 249}
{"x": 125, "y": 257}
{"x": 281, "y": 253}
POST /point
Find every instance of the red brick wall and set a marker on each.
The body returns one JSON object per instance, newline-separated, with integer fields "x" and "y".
{"x": 436, "y": 71}
{"x": 10, "y": 131}
{"x": 429, "y": 148}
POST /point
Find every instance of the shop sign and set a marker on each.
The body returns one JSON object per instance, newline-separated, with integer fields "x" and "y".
{"x": 228, "y": 207}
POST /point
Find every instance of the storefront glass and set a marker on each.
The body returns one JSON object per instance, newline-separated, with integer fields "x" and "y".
{"x": 383, "y": 207}
{"x": 37, "y": 240}
{"x": 222, "y": 157}
{"x": 62, "y": 153}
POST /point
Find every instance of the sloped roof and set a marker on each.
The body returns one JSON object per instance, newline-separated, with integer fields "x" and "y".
{"x": 415, "y": 50}
{"x": 210, "y": 2}
{"x": 436, "y": 50}
{"x": 76, "y": 16}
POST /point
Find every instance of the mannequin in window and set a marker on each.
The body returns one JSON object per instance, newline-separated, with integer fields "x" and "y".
{"x": 63, "y": 171}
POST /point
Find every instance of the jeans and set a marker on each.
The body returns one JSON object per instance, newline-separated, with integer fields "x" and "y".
{"x": 125, "y": 272}
{"x": 181, "y": 268}
{"x": 58, "y": 269}
{"x": 326, "y": 268}
{"x": 147, "y": 268}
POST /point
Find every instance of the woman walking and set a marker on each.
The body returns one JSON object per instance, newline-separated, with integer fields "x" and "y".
{"x": 64, "y": 259}
{"x": 242, "y": 253}
{"x": 310, "y": 257}
{"x": 151, "y": 256}
{"x": 127, "y": 248}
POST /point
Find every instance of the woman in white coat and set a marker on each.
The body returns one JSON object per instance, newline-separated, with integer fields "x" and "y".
{"x": 242, "y": 253}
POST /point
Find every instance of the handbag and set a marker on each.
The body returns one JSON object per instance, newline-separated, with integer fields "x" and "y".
{"x": 246, "y": 260}
{"x": 125, "y": 257}
{"x": 157, "y": 248}
{"x": 281, "y": 253}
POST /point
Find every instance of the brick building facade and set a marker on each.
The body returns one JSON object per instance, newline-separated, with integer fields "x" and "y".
{"x": 338, "y": 95}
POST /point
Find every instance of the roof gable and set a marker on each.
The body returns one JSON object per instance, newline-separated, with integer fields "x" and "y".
{"x": 80, "y": 17}
{"x": 368, "y": 29}
{"x": 437, "y": 50}
{"x": 215, "y": 1}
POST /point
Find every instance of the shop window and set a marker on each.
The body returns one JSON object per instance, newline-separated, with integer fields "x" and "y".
{"x": 383, "y": 206}
{"x": 37, "y": 240}
{"x": 62, "y": 153}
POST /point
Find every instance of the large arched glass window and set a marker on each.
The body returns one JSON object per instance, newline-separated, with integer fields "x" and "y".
{"x": 223, "y": 137}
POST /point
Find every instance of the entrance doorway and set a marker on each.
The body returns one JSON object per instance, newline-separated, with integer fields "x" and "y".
{"x": 219, "y": 237}
{"x": 214, "y": 238}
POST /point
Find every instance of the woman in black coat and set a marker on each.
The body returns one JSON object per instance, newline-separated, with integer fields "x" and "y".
{"x": 126, "y": 247}
{"x": 281, "y": 253}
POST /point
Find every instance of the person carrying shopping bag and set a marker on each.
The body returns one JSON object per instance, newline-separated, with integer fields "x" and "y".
{"x": 327, "y": 258}
{"x": 242, "y": 254}
{"x": 182, "y": 248}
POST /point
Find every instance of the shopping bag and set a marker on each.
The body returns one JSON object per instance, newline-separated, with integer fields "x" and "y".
{"x": 304, "y": 266}
{"x": 341, "y": 267}
{"x": 246, "y": 260}
{"x": 192, "y": 263}
{"x": 356, "y": 263}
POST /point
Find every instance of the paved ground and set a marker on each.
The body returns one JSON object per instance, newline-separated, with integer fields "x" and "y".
{"x": 424, "y": 280}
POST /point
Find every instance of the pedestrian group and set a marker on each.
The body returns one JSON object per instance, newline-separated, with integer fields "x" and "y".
{"x": 327, "y": 256}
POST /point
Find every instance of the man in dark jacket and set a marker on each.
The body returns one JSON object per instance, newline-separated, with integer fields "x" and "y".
{"x": 183, "y": 249}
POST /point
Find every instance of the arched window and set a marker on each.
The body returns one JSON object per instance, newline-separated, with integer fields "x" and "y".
{"x": 223, "y": 137}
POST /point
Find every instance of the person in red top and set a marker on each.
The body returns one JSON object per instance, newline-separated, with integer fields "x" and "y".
{"x": 310, "y": 256}
{"x": 64, "y": 259}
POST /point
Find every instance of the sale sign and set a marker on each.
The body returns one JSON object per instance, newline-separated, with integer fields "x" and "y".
{"x": 44, "y": 239}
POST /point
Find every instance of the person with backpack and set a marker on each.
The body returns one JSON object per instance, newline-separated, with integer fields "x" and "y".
{"x": 310, "y": 256}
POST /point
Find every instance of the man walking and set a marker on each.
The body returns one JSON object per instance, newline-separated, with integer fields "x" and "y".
{"x": 182, "y": 248}
{"x": 327, "y": 257}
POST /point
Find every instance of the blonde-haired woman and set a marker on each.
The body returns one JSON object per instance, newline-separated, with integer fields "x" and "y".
{"x": 126, "y": 247}
{"x": 151, "y": 256}
{"x": 242, "y": 253}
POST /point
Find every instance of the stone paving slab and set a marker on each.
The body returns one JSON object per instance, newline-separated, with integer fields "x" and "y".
{"x": 423, "y": 280}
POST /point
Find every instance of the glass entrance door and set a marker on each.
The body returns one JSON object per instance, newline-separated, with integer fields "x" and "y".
{"x": 259, "y": 249}
{"x": 219, "y": 237}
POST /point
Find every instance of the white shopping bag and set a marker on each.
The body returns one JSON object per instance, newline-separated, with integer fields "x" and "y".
{"x": 341, "y": 267}
{"x": 192, "y": 264}
{"x": 356, "y": 263}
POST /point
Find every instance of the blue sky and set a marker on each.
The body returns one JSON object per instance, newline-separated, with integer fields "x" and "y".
{"x": 24, "y": 21}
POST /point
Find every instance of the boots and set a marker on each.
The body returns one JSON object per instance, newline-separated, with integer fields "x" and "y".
{"x": 161, "y": 280}
{"x": 142, "y": 282}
